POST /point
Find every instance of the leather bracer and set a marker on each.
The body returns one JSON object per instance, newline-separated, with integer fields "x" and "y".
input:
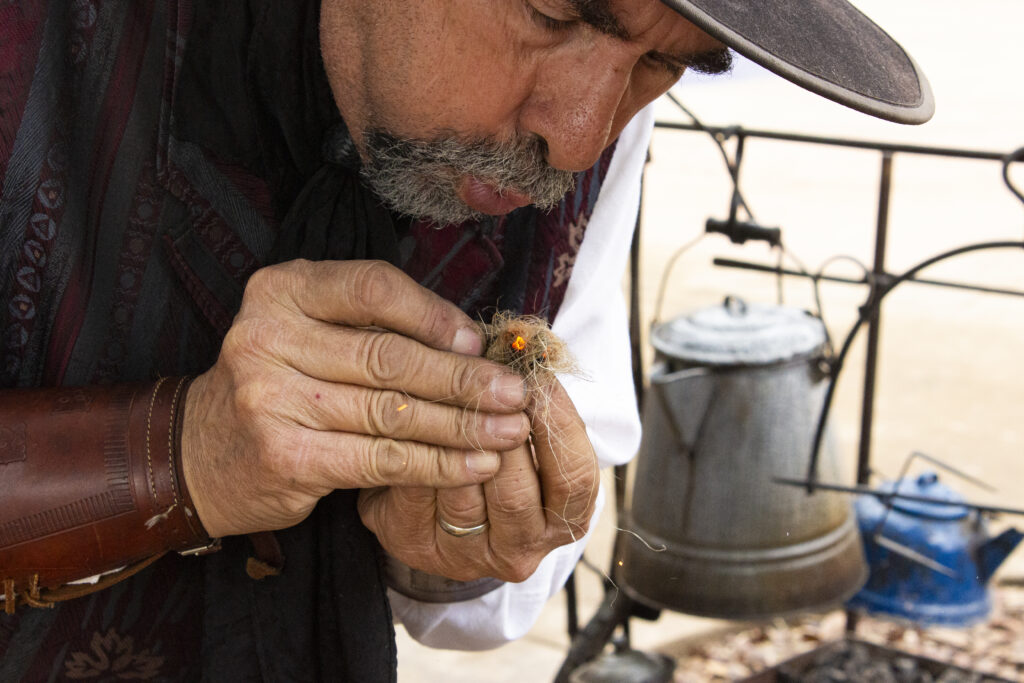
{"x": 90, "y": 482}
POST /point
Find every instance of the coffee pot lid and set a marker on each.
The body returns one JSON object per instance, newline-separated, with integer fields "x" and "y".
{"x": 740, "y": 333}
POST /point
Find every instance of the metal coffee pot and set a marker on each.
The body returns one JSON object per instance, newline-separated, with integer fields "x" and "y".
{"x": 735, "y": 395}
{"x": 930, "y": 561}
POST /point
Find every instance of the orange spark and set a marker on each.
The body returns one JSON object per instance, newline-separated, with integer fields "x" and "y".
{"x": 402, "y": 407}
{"x": 519, "y": 344}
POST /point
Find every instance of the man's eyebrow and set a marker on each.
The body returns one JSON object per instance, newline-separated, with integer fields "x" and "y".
{"x": 598, "y": 13}
{"x": 712, "y": 62}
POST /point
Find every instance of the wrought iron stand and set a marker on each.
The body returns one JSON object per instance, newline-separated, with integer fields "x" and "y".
{"x": 617, "y": 607}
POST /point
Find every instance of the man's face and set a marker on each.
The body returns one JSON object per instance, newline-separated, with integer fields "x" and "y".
{"x": 469, "y": 107}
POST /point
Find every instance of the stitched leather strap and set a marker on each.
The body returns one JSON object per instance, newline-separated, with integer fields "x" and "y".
{"x": 90, "y": 481}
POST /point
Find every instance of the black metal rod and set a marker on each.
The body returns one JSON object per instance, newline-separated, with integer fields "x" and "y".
{"x": 635, "y": 314}
{"x": 613, "y": 611}
{"x": 729, "y": 131}
{"x": 886, "y": 495}
{"x": 867, "y": 414}
{"x": 774, "y": 269}
{"x": 572, "y": 616}
{"x": 840, "y": 359}
{"x": 734, "y": 170}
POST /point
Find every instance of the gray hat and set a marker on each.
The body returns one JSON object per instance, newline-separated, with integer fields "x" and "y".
{"x": 826, "y": 46}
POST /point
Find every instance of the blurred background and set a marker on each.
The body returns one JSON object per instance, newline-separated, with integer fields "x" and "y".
{"x": 951, "y": 372}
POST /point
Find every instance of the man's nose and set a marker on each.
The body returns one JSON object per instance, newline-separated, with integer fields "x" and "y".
{"x": 577, "y": 106}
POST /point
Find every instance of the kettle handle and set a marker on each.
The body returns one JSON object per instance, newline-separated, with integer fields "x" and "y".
{"x": 694, "y": 386}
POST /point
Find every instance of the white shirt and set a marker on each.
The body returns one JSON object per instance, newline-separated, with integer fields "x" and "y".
{"x": 593, "y": 322}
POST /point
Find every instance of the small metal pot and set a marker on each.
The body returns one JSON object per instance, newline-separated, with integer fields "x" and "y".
{"x": 735, "y": 397}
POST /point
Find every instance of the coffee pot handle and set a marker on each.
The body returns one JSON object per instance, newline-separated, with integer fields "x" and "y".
{"x": 685, "y": 397}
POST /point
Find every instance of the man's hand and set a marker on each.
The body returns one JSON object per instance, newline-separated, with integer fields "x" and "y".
{"x": 531, "y": 508}
{"x": 342, "y": 375}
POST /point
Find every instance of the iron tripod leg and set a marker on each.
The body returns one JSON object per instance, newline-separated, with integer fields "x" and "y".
{"x": 614, "y": 611}
{"x": 588, "y": 643}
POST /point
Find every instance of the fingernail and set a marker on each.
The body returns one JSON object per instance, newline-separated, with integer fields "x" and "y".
{"x": 508, "y": 390}
{"x": 482, "y": 463}
{"x": 504, "y": 426}
{"x": 468, "y": 341}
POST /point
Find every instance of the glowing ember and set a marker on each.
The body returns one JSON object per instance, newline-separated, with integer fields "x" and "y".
{"x": 402, "y": 407}
{"x": 519, "y": 344}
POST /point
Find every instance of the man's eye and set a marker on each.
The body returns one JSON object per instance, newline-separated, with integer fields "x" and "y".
{"x": 657, "y": 62}
{"x": 547, "y": 21}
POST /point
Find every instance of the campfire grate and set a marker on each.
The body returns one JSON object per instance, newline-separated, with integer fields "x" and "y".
{"x": 856, "y": 661}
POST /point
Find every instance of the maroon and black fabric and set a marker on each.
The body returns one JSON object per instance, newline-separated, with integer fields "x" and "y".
{"x": 143, "y": 179}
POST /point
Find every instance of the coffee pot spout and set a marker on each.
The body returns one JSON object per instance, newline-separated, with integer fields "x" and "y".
{"x": 994, "y": 551}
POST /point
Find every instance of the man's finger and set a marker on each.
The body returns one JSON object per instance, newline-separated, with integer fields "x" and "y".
{"x": 514, "y": 506}
{"x": 326, "y": 406}
{"x": 336, "y": 460}
{"x": 413, "y": 530}
{"x": 565, "y": 460}
{"x": 384, "y": 360}
{"x": 368, "y": 294}
{"x": 463, "y": 509}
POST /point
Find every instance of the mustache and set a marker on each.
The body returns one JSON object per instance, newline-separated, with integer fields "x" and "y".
{"x": 420, "y": 177}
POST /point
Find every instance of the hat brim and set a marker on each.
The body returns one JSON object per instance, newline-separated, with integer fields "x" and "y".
{"x": 826, "y": 46}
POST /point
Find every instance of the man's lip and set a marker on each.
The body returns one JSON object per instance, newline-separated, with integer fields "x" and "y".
{"x": 484, "y": 197}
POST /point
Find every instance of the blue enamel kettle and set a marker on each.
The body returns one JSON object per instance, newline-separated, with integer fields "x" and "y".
{"x": 930, "y": 561}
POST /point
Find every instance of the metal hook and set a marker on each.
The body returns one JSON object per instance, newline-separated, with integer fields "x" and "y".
{"x": 1017, "y": 155}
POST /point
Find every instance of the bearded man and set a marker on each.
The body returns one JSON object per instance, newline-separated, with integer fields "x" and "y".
{"x": 245, "y": 244}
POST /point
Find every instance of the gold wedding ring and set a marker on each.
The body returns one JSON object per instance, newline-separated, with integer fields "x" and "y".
{"x": 462, "y": 532}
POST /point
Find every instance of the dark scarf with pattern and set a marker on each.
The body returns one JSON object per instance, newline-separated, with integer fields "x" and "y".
{"x": 326, "y": 616}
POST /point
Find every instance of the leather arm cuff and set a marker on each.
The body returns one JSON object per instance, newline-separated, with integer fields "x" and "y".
{"x": 90, "y": 481}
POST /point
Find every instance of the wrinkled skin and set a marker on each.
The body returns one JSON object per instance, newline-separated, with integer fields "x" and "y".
{"x": 308, "y": 392}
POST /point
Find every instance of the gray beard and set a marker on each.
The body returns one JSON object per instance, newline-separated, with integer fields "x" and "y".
{"x": 420, "y": 177}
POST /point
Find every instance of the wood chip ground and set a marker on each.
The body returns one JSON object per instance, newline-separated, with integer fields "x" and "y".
{"x": 994, "y": 647}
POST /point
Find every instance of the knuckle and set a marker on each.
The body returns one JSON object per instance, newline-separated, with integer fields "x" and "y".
{"x": 250, "y": 398}
{"x": 565, "y": 530}
{"x": 375, "y": 285}
{"x": 390, "y": 461}
{"x": 271, "y": 280}
{"x": 442, "y": 467}
{"x": 438, "y": 321}
{"x": 462, "y": 379}
{"x": 384, "y": 358}
{"x": 251, "y": 337}
{"x": 464, "y": 510}
{"x": 237, "y": 342}
{"x": 577, "y": 520}
{"x": 588, "y": 504}
{"x": 579, "y": 485}
{"x": 260, "y": 282}
{"x": 384, "y": 416}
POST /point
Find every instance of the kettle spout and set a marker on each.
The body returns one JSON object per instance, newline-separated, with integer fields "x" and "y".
{"x": 992, "y": 553}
